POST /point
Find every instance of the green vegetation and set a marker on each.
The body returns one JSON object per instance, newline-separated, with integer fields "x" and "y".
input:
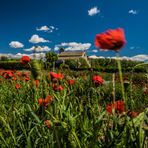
{"x": 36, "y": 113}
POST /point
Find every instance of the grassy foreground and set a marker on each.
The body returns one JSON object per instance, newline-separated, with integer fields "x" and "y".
{"x": 40, "y": 111}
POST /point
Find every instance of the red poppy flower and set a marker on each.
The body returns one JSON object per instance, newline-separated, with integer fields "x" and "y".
{"x": 118, "y": 106}
{"x": 46, "y": 101}
{"x": 17, "y": 86}
{"x": 71, "y": 82}
{"x": 41, "y": 102}
{"x": 25, "y": 60}
{"x": 27, "y": 79}
{"x": 36, "y": 83}
{"x": 111, "y": 39}
{"x": 14, "y": 78}
{"x": 19, "y": 74}
{"x": 57, "y": 87}
{"x": 56, "y": 75}
{"x": 133, "y": 114}
{"x": 47, "y": 123}
{"x": 145, "y": 90}
{"x": 97, "y": 80}
{"x": 7, "y": 74}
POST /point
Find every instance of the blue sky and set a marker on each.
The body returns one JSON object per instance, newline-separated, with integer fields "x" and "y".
{"x": 68, "y": 23}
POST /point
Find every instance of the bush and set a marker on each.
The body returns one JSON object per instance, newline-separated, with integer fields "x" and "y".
{"x": 13, "y": 65}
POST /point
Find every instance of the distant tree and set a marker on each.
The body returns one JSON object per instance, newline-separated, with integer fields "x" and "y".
{"x": 4, "y": 58}
{"x": 51, "y": 57}
{"x": 61, "y": 50}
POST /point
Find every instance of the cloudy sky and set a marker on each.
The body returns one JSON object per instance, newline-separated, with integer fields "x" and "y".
{"x": 71, "y": 24}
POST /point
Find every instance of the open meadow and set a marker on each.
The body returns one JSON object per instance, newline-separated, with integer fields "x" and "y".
{"x": 68, "y": 108}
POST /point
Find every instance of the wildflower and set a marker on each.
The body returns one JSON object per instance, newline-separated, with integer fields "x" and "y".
{"x": 14, "y": 78}
{"x": 25, "y": 60}
{"x": 18, "y": 74}
{"x": 7, "y": 74}
{"x": 41, "y": 102}
{"x": 133, "y": 114}
{"x": 14, "y": 70}
{"x": 46, "y": 101}
{"x": 17, "y": 86}
{"x": 47, "y": 123}
{"x": 145, "y": 90}
{"x": 27, "y": 79}
{"x": 57, "y": 87}
{"x": 36, "y": 83}
{"x": 56, "y": 75}
{"x": 71, "y": 82}
{"x": 111, "y": 39}
{"x": 118, "y": 106}
{"x": 97, "y": 80}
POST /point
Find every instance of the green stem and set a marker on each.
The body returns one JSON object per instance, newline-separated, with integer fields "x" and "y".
{"x": 57, "y": 138}
{"x": 121, "y": 77}
{"x": 114, "y": 90}
{"x": 76, "y": 139}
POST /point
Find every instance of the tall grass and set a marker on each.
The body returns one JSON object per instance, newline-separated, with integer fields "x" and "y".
{"x": 77, "y": 116}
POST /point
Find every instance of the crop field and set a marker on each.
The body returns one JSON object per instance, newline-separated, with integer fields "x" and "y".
{"x": 66, "y": 108}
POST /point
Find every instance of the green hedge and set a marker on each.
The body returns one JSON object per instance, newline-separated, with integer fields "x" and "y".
{"x": 13, "y": 65}
{"x": 101, "y": 65}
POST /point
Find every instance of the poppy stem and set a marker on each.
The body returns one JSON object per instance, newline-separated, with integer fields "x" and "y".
{"x": 114, "y": 90}
{"x": 121, "y": 76}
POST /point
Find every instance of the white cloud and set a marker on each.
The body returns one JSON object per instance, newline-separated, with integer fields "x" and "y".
{"x": 49, "y": 29}
{"x": 56, "y": 48}
{"x": 16, "y": 44}
{"x": 133, "y": 12}
{"x": 52, "y": 27}
{"x": 140, "y": 57}
{"x": 93, "y": 11}
{"x": 43, "y": 28}
{"x": 38, "y": 49}
{"x": 93, "y": 57}
{"x": 94, "y": 50}
{"x": 36, "y": 39}
{"x": 19, "y": 55}
{"x": 74, "y": 46}
{"x": 103, "y": 50}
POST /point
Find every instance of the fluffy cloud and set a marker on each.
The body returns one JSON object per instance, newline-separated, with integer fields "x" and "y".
{"x": 93, "y": 57}
{"x": 139, "y": 57}
{"x": 133, "y": 12}
{"x": 105, "y": 50}
{"x": 49, "y": 29}
{"x": 19, "y": 55}
{"x": 16, "y": 44}
{"x": 95, "y": 50}
{"x": 73, "y": 46}
{"x": 93, "y": 11}
{"x": 43, "y": 28}
{"x": 36, "y": 39}
{"x": 38, "y": 48}
{"x": 56, "y": 48}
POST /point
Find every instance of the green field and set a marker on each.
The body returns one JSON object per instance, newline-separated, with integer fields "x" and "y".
{"x": 73, "y": 110}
